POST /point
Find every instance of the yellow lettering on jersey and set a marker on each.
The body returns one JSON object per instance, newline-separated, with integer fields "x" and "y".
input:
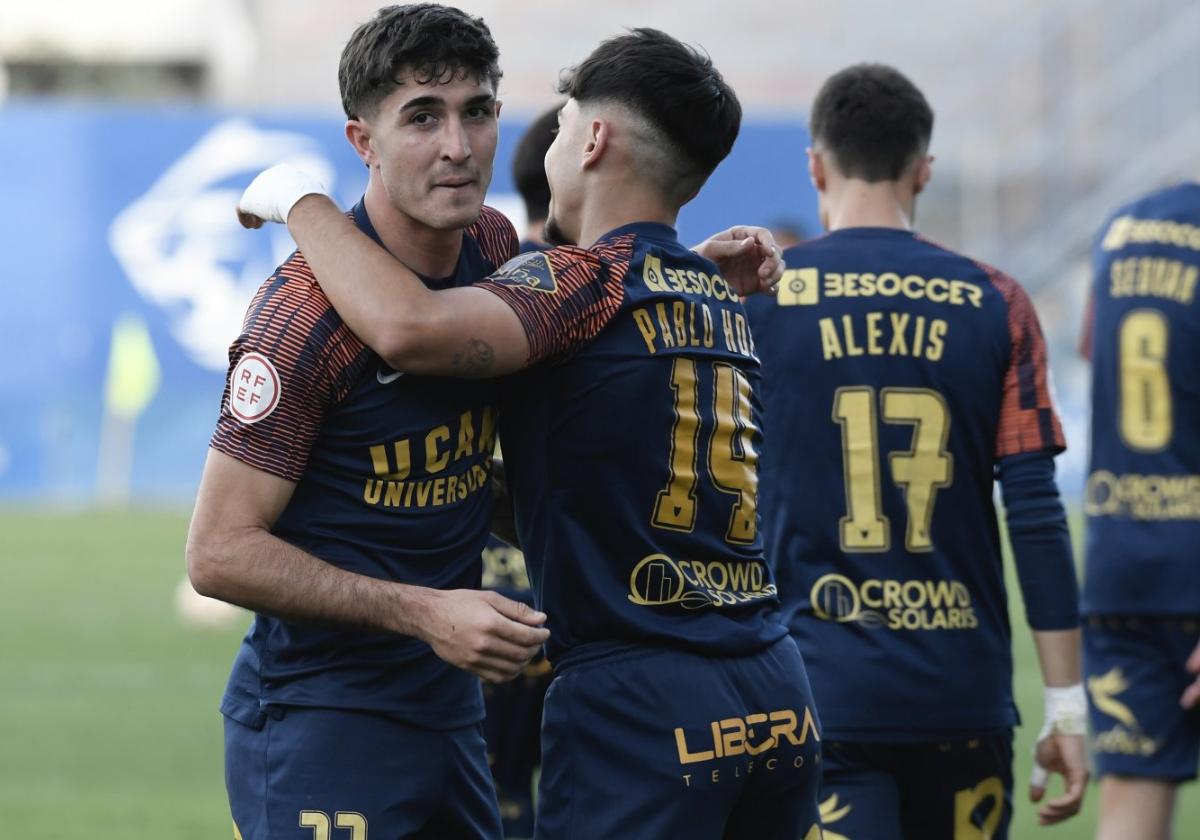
{"x": 937, "y": 336}
{"x": 680, "y": 312}
{"x": 664, "y": 325}
{"x": 437, "y": 458}
{"x": 852, "y": 349}
{"x": 1155, "y": 277}
{"x": 889, "y": 284}
{"x": 831, "y": 346}
{"x": 874, "y": 333}
{"x": 379, "y": 461}
{"x": 645, "y": 326}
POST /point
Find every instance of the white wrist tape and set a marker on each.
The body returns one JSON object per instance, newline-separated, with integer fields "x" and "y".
{"x": 1066, "y": 714}
{"x": 273, "y": 193}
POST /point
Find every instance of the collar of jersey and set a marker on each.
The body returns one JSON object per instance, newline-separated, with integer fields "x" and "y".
{"x": 644, "y": 230}
{"x": 872, "y": 231}
{"x": 364, "y": 224}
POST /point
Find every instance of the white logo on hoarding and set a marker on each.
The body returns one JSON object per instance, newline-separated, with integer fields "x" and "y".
{"x": 180, "y": 243}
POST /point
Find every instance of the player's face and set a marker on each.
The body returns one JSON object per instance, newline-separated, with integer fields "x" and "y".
{"x": 432, "y": 146}
{"x": 563, "y": 173}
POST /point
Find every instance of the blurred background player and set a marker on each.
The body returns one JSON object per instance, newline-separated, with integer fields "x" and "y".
{"x": 1142, "y": 588}
{"x": 680, "y": 707}
{"x": 514, "y": 709}
{"x": 529, "y": 177}
{"x": 909, "y": 375}
{"x": 340, "y": 496}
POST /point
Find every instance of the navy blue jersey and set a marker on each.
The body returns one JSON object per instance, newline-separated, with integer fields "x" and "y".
{"x": 632, "y": 449}
{"x": 391, "y": 477}
{"x": 895, "y": 374}
{"x": 1143, "y": 490}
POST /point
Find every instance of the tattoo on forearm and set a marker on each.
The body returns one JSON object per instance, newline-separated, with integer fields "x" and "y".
{"x": 476, "y": 359}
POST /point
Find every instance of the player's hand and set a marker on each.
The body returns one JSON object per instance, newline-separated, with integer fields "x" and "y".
{"x": 483, "y": 632}
{"x": 1191, "y": 694}
{"x": 273, "y": 193}
{"x": 1064, "y": 755}
{"x": 748, "y": 258}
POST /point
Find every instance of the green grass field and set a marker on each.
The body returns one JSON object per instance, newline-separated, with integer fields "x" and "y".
{"x": 108, "y": 705}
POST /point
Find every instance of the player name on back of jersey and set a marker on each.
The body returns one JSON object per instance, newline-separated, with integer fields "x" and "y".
{"x": 685, "y": 322}
{"x": 878, "y": 333}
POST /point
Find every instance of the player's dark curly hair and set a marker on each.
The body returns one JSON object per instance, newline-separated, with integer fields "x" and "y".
{"x": 671, "y": 85}
{"x": 873, "y": 120}
{"x": 529, "y": 165}
{"x": 433, "y": 42}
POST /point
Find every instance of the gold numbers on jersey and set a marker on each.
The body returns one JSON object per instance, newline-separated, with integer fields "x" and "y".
{"x": 732, "y": 460}
{"x": 921, "y": 471}
{"x": 731, "y": 456}
{"x": 318, "y": 821}
{"x": 1146, "y": 417}
{"x": 676, "y": 505}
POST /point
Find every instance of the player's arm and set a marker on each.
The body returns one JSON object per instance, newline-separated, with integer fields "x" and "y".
{"x": 1029, "y": 436}
{"x": 453, "y": 332}
{"x": 232, "y": 555}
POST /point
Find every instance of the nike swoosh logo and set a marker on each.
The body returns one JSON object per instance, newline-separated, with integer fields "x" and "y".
{"x": 387, "y": 378}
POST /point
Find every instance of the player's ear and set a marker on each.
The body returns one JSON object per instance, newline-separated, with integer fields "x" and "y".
{"x": 923, "y": 174}
{"x": 816, "y": 169}
{"x": 358, "y": 133}
{"x": 598, "y": 134}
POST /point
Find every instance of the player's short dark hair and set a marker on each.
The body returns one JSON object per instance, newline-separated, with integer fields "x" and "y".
{"x": 529, "y": 165}
{"x": 673, "y": 87}
{"x": 435, "y": 43}
{"x": 873, "y": 120}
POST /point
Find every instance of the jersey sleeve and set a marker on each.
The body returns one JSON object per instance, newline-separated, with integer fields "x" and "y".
{"x": 496, "y": 236}
{"x": 1028, "y": 421}
{"x": 563, "y": 296}
{"x": 292, "y": 360}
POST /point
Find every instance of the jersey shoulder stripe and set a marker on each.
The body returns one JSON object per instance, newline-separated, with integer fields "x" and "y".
{"x": 496, "y": 236}
{"x": 314, "y": 361}
{"x": 564, "y": 296}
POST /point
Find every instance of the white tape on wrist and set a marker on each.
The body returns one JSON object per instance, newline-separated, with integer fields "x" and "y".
{"x": 1066, "y": 714}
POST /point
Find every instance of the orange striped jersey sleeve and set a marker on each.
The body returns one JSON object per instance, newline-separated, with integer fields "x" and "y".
{"x": 566, "y": 295}
{"x": 496, "y": 236}
{"x": 293, "y": 359}
{"x": 1028, "y": 421}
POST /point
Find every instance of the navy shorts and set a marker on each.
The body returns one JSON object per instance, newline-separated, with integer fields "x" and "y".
{"x": 669, "y": 744}
{"x": 1134, "y": 672}
{"x": 327, "y": 774}
{"x": 941, "y": 790}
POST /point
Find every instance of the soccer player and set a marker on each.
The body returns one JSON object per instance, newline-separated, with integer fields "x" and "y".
{"x": 899, "y": 379}
{"x": 347, "y": 504}
{"x": 1142, "y": 588}
{"x": 529, "y": 176}
{"x": 514, "y": 709}
{"x": 680, "y": 708}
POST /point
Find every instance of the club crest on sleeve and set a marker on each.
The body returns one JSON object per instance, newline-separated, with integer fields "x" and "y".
{"x": 254, "y": 388}
{"x": 527, "y": 271}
